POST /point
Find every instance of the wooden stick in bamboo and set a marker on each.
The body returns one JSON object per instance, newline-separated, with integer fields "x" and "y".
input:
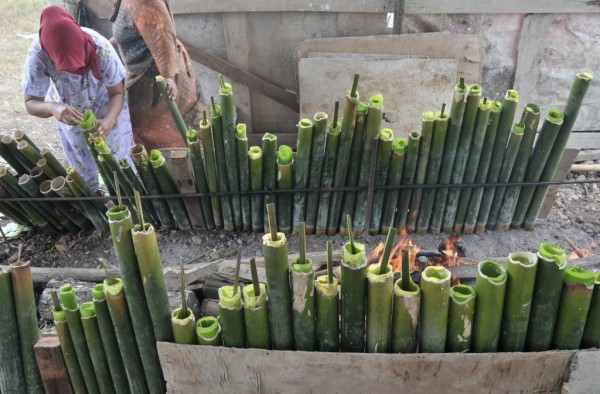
{"x": 343, "y": 156}
{"x": 27, "y": 322}
{"x": 427, "y": 124}
{"x": 12, "y": 378}
{"x": 242, "y": 151}
{"x": 317, "y": 159}
{"x": 354, "y": 165}
{"x": 275, "y": 251}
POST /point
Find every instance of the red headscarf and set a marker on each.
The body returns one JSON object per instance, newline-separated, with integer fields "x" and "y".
{"x": 68, "y": 46}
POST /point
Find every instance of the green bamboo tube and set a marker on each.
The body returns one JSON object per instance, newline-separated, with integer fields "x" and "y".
{"x": 255, "y": 156}
{"x": 575, "y": 299}
{"x": 317, "y": 160}
{"x": 143, "y": 371}
{"x": 435, "y": 292}
{"x": 88, "y": 127}
{"x": 511, "y": 195}
{"x": 217, "y": 131}
{"x": 7, "y": 155}
{"x": 164, "y": 177}
{"x": 73, "y": 317}
{"x": 256, "y": 317}
{"x": 68, "y": 351}
{"x": 405, "y": 318}
{"x": 148, "y": 258}
{"x": 421, "y": 172}
{"x": 509, "y": 108}
{"x": 576, "y": 96}
{"x": 37, "y": 174}
{"x": 66, "y": 208}
{"x": 21, "y": 136}
{"x": 109, "y": 340}
{"x": 200, "y": 176}
{"x": 343, "y": 158}
{"x": 29, "y": 153}
{"x": 460, "y": 319}
{"x": 121, "y": 225}
{"x": 104, "y": 171}
{"x": 327, "y": 314}
{"x": 380, "y": 290}
{"x": 457, "y": 111}
{"x": 13, "y": 211}
{"x": 591, "y": 333}
{"x": 229, "y": 123}
{"x": 88, "y": 207}
{"x": 285, "y": 180}
{"x": 408, "y": 178}
{"x": 26, "y": 314}
{"x": 184, "y": 326}
{"x": 53, "y": 162}
{"x": 521, "y": 271}
{"x": 483, "y": 168}
{"x": 142, "y": 164}
{"x": 76, "y": 178}
{"x": 17, "y": 160}
{"x": 172, "y": 106}
{"x": 278, "y": 291}
{"x": 242, "y": 151}
{"x": 208, "y": 331}
{"x": 12, "y": 378}
{"x": 32, "y": 189}
{"x": 303, "y": 304}
{"x": 94, "y": 341}
{"x": 474, "y": 163}
{"x": 512, "y": 150}
{"x": 546, "y": 297}
{"x": 394, "y": 178}
{"x": 231, "y": 317}
{"x": 60, "y": 188}
{"x": 353, "y": 293}
{"x": 302, "y": 170}
{"x": 436, "y": 152}
{"x": 208, "y": 148}
{"x": 333, "y": 134}
{"x": 490, "y": 288}
{"x": 113, "y": 165}
{"x": 372, "y": 128}
{"x": 461, "y": 157}
{"x": 384, "y": 152}
{"x": 139, "y": 187}
{"x": 269, "y": 148}
{"x": 43, "y": 165}
{"x": 354, "y": 165}
{"x": 539, "y": 156}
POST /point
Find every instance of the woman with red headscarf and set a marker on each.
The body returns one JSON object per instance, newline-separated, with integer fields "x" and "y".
{"x": 76, "y": 69}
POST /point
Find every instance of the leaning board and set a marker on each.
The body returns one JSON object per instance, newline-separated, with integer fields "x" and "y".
{"x": 208, "y": 369}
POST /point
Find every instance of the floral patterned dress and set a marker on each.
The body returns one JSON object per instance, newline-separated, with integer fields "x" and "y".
{"x": 42, "y": 79}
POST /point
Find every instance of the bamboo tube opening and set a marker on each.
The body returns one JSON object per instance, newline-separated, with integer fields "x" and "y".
{"x": 58, "y": 183}
{"x": 23, "y": 179}
{"x": 22, "y": 145}
{"x": 36, "y": 171}
{"x": 240, "y": 130}
{"x": 137, "y": 150}
{"x": 285, "y": 156}
{"x": 98, "y": 292}
{"x": 555, "y": 115}
{"x": 178, "y": 317}
{"x": 305, "y": 123}
{"x": 19, "y": 264}
{"x": 492, "y": 271}
{"x": 435, "y": 274}
{"x": 3, "y": 170}
{"x": 87, "y": 310}
{"x": 229, "y": 299}
{"x": 299, "y": 267}
{"x": 356, "y": 260}
{"x": 225, "y": 89}
{"x": 113, "y": 286}
{"x": 118, "y": 213}
{"x": 413, "y": 289}
{"x": 124, "y": 164}
{"x": 414, "y": 135}
{"x": 19, "y": 135}
{"x": 324, "y": 287}
{"x": 279, "y": 242}
{"x": 462, "y": 293}
{"x": 496, "y": 106}
{"x": 192, "y": 135}
{"x": 45, "y": 186}
{"x": 428, "y": 116}
{"x": 386, "y": 135}
{"x": 475, "y": 90}
{"x": 374, "y": 273}
{"x": 319, "y": 116}
{"x": 208, "y": 327}
{"x": 156, "y": 158}
{"x": 146, "y": 229}
{"x": 525, "y": 259}
{"x": 577, "y": 274}
{"x": 550, "y": 251}
{"x": 255, "y": 152}
{"x": 442, "y": 116}
{"x": 7, "y": 139}
{"x": 67, "y": 297}
{"x": 585, "y": 75}
{"x": 399, "y": 145}
{"x": 533, "y": 108}
{"x": 59, "y": 316}
{"x": 485, "y": 104}
{"x": 41, "y": 163}
{"x": 512, "y": 95}
{"x": 89, "y": 121}
{"x": 376, "y": 100}
{"x": 251, "y": 299}
{"x": 361, "y": 108}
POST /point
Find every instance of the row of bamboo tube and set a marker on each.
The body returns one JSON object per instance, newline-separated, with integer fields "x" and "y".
{"x": 475, "y": 142}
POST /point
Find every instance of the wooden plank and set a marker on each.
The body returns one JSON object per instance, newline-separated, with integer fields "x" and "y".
{"x": 467, "y": 49}
{"x": 210, "y": 369}
{"x": 564, "y": 166}
{"x": 255, "y": 83}
{"x": 193, "y": 273}
{"x": 52, "y": 366}
{"x": 41, "y": 275}
{"x": 588, "y": 155}
{"x": 385, "y": 6}
{"x": 237, "y": 43}
{"x": 584, "y": 140}
{"x": 186, "y": 184}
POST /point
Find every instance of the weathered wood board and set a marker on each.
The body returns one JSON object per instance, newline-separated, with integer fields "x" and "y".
{"x": 409, "y": 86}
{"x": 52, "y": 367}
{"x": 208, "y": 369}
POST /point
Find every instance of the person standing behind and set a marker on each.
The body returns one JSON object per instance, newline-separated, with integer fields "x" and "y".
{"x": 145, "y": 33}
{"x": 77, "y": 69}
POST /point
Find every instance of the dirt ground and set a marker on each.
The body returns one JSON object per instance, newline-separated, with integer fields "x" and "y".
{"x": 576, "y": 213}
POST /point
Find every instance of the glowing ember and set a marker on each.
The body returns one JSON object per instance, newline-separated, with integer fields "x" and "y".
{"x": 396, "y": 254}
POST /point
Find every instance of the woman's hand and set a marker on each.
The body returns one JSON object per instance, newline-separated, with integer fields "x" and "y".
{"x": 171, "y": 88}
{"x": 66, "y": 114}
{"x": 104, "y": 127}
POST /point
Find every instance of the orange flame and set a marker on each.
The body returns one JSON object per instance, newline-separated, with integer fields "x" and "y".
{"x": 396, "y": 253}
{"x": 455, "y": 280}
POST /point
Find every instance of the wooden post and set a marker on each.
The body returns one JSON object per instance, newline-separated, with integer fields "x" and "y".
{"x": 52, "y": 366}
{"x": 185, "y": 183}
